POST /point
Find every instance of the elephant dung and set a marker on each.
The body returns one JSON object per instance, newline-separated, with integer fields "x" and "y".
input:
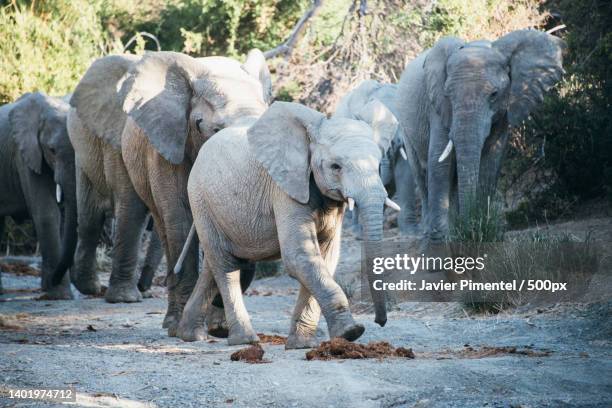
{"x": 341, "y": 349}
{"x": 252, "y": 354}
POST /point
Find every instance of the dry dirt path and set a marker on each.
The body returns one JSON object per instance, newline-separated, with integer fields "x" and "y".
{"x": 118, "y": 355}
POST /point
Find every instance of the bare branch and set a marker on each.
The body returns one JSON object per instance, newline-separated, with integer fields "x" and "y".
{"x": 286, "y": 48}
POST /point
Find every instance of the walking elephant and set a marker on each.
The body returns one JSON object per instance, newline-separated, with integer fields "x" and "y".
{"x": 37, "y": 173}
{"x": 278, "y": 187}
{"x": 143, "y": 122}
{"x": 464, "y": 97}
{"x": 102, "y": 186}
{"x": 395, "y": 171}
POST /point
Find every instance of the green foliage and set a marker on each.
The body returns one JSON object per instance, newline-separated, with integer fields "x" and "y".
{"x": 47, "y": 45}
{"x": 480, "y": 223}
{"x": 221, "y": 27}
{"x": 574, "y": 123}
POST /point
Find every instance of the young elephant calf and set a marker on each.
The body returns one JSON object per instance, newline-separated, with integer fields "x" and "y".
{"x": 279, "y": 188}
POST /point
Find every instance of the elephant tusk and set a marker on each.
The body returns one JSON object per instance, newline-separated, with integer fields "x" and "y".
{"x": 58, "y": 193}
{"x": 351, "y": 203}
{"x": 181, "y": 259}
{"x": 390, "y": 203}
{"x": 447, "y": 150}
{"x": 403, "y": 153}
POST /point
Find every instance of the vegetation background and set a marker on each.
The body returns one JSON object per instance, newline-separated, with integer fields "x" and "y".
{"x": 559, "y": 159}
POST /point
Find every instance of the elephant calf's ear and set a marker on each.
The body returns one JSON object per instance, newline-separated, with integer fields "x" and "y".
{"x": 280, "y": 141}
{"x": 24, "y": 120}
{"x": 383, "y": 123}
{"x": 256, "y": 66}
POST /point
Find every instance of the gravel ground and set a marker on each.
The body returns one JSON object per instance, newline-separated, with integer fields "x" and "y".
{"x": 118, "y": 355}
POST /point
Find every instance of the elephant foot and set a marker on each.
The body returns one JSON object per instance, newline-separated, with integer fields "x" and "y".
{"x": 346, "y": 328}
{"x": 295, "y": 341}
{"x": 240, "y": 336}
{"x": 147, "y": 294}
{"x": 215, "y": 322}
{"x": 171, "y": 319}
{"x": 188, "y": 331}
{"x": 353, "y": 332}
{"x": 89, "y": 287}
{"x": 60, "y": 292}
{"x": 124, "y": 293}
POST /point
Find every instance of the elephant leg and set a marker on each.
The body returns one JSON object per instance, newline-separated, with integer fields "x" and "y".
{"x": 130, "y": 217}
{"x": 91, "y": 217}
{"x": 151, "y": 262}
{"x": 405, "y": 187}
{"x": 306, "y": 315}
{"x": 39, "y": 192}
{"x": 205, "y": 303}
{"x": 176, "y": 222}
{"x": 2, "y": 218}
{"x": 47, "y": 230}
{"x": 438, "y": 182}
{"x": 227, "y": 276}
{"x": 191, "y": 325}
{"x": 215, "y": 318}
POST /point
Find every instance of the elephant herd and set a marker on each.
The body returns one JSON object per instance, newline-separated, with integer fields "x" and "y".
{"x": 198, "y": 144}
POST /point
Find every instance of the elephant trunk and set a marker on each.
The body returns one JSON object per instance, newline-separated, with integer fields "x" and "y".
{"x": 371, "y": 214}
{"x": 468, "y": 135}
{"x": 69, "y": 230}
{"x": 386, "y": 169}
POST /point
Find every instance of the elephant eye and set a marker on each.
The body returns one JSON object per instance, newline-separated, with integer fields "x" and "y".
{"x": 335, "y": 167}
{"x": 493, "y": 95}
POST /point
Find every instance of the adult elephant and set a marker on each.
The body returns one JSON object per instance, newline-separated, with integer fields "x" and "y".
{"x": 102, "y": 190}
{"x": 395, "y": 170}
{"x": 36, "y": 170}
{"x": 463, "y": 98}
{"x": 278, "y": 188}
{"x": 150, "y": 131}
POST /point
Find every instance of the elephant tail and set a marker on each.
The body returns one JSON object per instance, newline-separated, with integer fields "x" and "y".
{"x": 179, "y": 263}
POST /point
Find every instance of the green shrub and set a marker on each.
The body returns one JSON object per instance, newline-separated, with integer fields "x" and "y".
{"x": 47, "y": 46}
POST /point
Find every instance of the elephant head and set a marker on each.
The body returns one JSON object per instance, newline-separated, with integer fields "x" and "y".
{"x": 342, "y": 155}
{"x": 38, "y": 125}
{"x": 355, "y": 105}
{"x": 179, "y": 101}
{"x": 479, "y": 85}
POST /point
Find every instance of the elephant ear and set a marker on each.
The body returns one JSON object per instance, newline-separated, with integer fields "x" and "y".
{"x": 96, "y": 101}
{"x": 349, "y": 106}
{"x": 435, "y": 75}
{"x": 156, "y": 94}
{"x": 25, "y": 122}
{"x": 280, "y": 141}
{"x": 256, "y": 66}
{"x": 536, "y": 64}
{"x": 383, "y": 123}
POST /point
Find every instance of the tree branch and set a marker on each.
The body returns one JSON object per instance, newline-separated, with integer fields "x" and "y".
{"x": 286, "y": 48}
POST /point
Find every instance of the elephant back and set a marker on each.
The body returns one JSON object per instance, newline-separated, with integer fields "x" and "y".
{"x": 97, "y": 101}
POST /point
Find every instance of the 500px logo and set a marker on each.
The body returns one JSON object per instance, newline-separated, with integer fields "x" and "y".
{"x": 411, "y": 264}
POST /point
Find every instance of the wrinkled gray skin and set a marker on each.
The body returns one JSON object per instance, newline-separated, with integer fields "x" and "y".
{"x": 102, "y": 189}
{"x": 291, "y": 173}
{"x": 35, "y": 156}
{"x": 145, "y": 121}
{"x": 395, "y": 171}
{"x": 471, "y": 94}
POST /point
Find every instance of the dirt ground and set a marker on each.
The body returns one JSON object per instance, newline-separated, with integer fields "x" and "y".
{"x": 119, "y": 356}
